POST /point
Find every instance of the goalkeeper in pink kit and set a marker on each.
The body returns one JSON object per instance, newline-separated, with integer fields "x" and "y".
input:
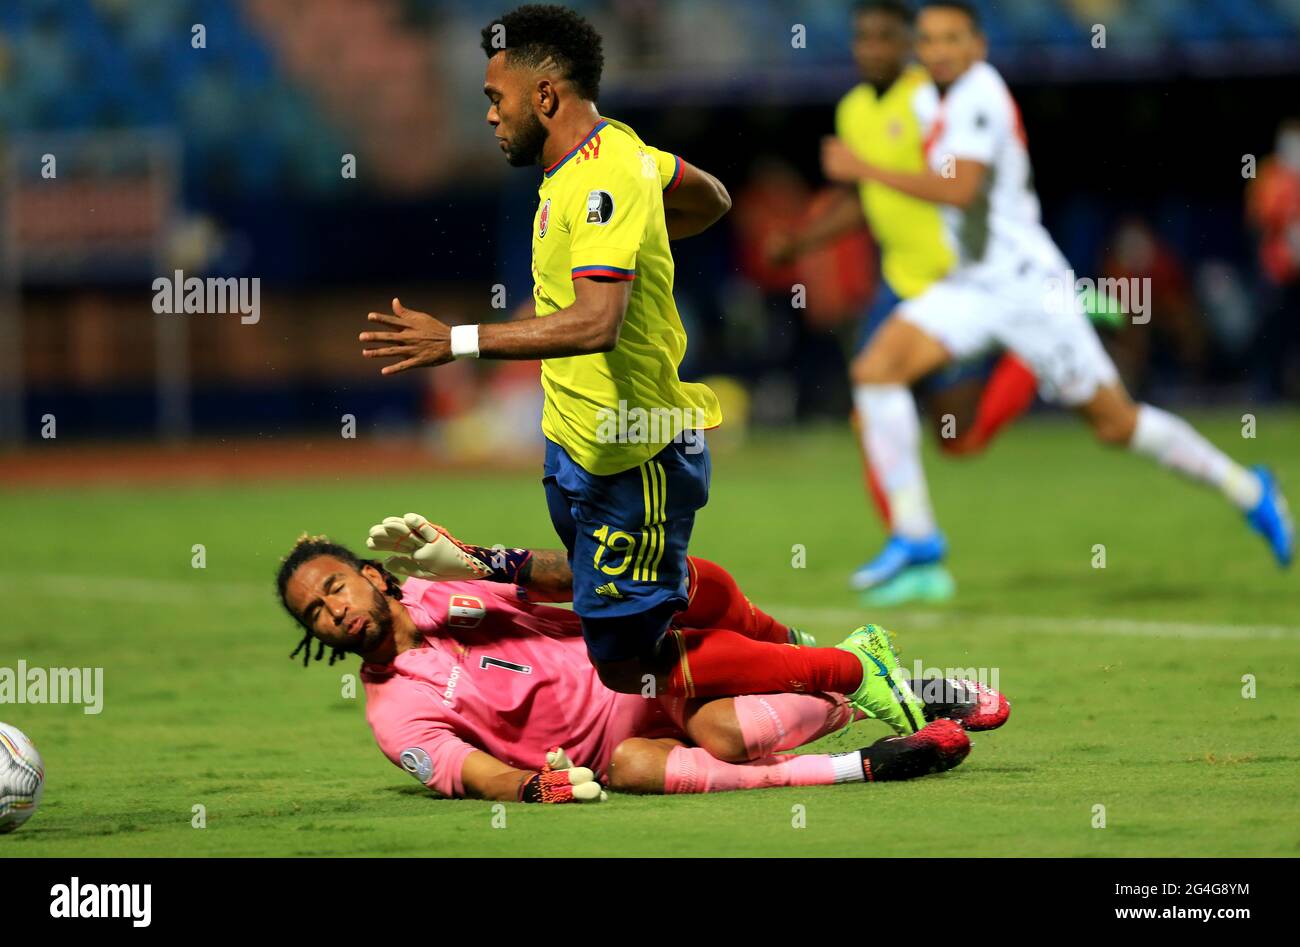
{"x": 479, "y": 689}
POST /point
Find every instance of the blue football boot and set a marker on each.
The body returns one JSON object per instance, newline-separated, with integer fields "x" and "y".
{"x": 899, "y": 553}
{"x": 1271, "y": 517}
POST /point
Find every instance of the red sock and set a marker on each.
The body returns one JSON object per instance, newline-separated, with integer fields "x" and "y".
{"x": 715, "y": 662}
{"x": 874, "y": 489}
{"x": 1009, "y": 393}
{"x": 715, "y": 601}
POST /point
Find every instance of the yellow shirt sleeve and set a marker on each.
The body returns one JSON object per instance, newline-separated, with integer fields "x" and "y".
{"x": 670, "y": 168}
{"x": 608, "y": 210}
{"x": 841, "y": 117}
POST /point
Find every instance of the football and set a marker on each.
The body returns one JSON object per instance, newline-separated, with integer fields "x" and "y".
{"x": 22, "y": 778}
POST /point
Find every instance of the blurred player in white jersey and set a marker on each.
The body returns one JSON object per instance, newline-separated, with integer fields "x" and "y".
{"x": 1012, "y": 288}
{"x": 878, "y": 119}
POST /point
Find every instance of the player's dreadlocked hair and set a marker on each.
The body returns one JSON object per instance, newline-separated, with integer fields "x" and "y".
{"x": 536, "y": 32}
{"x": 306, "y": 549}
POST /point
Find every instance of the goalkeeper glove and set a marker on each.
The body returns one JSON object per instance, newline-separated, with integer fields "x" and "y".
{"x": 427, "y": 551}
{"x": 561, "y": 781}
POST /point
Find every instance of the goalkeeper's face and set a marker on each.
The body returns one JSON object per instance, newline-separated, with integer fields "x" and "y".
{"x": 342, "y": 607}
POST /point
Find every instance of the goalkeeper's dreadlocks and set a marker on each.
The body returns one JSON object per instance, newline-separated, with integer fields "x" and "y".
{"x": 306, "y": 549}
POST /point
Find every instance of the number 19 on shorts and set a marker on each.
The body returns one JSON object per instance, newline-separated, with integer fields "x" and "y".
{"x": 617, "y": 550}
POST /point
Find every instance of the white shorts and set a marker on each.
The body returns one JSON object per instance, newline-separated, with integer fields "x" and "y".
{"x": 1031, "y": 315}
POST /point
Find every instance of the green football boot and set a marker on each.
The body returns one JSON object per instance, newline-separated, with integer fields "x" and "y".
{"x": 1103, "y": 311}
{"x": 884, "y": 692}
{"x": 803, "y": 639}
{"x": 930, "y": 584}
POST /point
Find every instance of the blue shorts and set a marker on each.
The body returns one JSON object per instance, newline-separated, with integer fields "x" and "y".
{"x": 882, "y": 304}
{"x": 885, "y": 302}
{"x": 626, "y": 535}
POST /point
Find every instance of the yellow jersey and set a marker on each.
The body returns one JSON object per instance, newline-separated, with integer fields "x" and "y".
{"x": 885, "y": 131}
{"x": 601, "y": 214}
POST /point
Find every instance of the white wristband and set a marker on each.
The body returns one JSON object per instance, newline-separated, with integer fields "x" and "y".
{"x": 464, "y": 341}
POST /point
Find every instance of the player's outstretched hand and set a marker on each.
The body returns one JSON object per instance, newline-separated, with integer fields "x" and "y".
{"x": 415, "y": 339}
{"x": 561, "y": 781}
{"x": 839, "y": 163}
{"x": 424, "y": 550}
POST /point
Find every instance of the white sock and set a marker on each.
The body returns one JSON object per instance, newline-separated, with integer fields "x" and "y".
{"x": 848, "y": 767}
{"x": 891, "y": 439}
{"x": 1175, "y": 444}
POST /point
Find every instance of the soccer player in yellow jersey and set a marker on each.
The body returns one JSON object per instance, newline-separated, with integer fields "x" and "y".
{"x": 967, "y": 402}
{"x": 626, "y": 462}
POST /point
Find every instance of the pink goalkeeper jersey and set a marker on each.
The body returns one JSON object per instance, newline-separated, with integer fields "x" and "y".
{"x": 500, "y": 674}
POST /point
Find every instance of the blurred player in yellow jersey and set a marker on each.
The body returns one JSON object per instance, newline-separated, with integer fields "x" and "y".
{"x": 967, "y": 402}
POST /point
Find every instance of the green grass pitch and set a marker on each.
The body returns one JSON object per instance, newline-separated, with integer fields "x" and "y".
{"x": 1126, "y": 682}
